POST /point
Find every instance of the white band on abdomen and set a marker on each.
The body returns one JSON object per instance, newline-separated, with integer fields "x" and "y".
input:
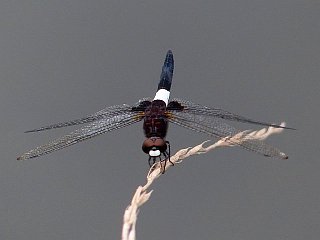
{"x": 163, "y": 95}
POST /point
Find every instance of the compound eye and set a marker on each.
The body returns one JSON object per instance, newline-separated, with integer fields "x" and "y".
{"x": 154, "y": 153}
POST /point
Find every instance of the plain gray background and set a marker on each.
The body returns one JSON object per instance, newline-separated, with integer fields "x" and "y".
{"x": 61, "y": 60}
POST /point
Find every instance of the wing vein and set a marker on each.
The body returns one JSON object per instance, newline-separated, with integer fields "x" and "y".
{"x": 91, "y": 130}
{"x": 216, "y": 128}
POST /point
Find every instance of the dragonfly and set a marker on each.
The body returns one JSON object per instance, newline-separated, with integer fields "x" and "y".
{"x": 156, "y": 114}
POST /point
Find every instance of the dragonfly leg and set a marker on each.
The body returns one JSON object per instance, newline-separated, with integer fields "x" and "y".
{"x": 165, "y": 163}
{"x": 149, "y": 161}
{"x": 169, "y": 154}
{"x": 163, "y": 167}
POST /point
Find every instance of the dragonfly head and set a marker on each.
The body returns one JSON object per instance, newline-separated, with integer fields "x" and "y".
{"x": 154, "y": 146}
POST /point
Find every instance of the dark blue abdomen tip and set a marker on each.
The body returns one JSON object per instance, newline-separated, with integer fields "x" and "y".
{"x": 169, "y": 62}
{"x": 167, "y": 72}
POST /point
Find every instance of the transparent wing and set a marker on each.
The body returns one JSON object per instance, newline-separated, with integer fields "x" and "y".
{"x": 220, "y": 113}
{"x": 214, "y": 127}
{"x": 103, "y": 125}
{"x": 108, "y": 112}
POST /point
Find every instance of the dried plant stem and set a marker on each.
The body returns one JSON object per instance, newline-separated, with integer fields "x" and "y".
{"x": 142, "y": 195}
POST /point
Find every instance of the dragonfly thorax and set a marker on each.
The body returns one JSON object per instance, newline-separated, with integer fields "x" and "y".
{"x": 155, "y": 122}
